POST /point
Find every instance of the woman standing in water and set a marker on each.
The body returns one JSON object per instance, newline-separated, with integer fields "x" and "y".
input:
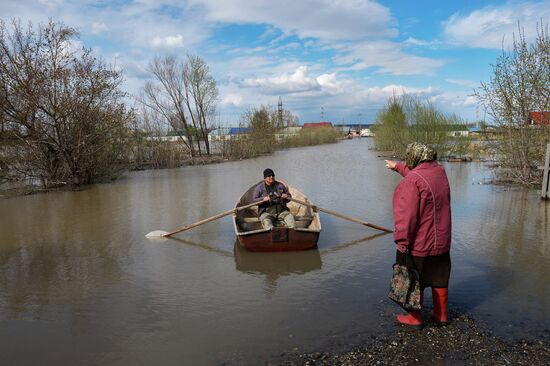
{"x": 422, "y": 216}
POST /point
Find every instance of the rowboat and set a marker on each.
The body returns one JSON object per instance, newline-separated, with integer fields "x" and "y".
{"x": 252, "y": 236}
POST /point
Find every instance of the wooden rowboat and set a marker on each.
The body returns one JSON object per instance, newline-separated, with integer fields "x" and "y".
{"x": 252, "y": 236}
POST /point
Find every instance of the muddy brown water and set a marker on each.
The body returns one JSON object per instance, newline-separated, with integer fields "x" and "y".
{"x": 80, "y": 283}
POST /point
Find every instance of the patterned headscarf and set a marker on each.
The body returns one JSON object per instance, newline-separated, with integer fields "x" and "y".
{"x": 417, "y": 153}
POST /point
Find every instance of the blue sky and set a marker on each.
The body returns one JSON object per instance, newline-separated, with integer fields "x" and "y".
{"x": 345, "y": 56}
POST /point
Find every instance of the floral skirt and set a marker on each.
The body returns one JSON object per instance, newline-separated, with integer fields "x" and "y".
{"x": 434, "y": 270}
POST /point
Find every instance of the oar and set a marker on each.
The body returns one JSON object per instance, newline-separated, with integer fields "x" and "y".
{"x": 342, "y": 216}
{"x": 164, "y": 234}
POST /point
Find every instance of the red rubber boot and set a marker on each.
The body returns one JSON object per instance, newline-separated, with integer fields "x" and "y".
{"x": 440, "y": 299}
{"x": 413, "y": 319}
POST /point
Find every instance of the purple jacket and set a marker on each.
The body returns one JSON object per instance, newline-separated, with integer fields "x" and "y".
{"x": 422, "y": 210}
{"x": 260, "y": 192}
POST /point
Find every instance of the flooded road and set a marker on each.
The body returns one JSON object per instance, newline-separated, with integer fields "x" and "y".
{"x": 80, "y": 283}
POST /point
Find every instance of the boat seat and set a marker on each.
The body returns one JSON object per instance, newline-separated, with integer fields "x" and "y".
{"x": 251, "y": 220}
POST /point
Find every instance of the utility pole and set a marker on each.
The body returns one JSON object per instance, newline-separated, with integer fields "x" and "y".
{"x": 322, "y": 114}
{"x": 280, "y": 113}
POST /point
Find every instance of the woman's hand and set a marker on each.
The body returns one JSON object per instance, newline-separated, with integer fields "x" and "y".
{"x": 390, "y": 164}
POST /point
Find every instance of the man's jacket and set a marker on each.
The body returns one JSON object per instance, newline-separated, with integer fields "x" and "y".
{"x": 276, "y": 204}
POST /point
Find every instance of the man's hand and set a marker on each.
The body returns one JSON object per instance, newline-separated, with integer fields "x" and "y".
{"x": 265, "y": 199}
{"x": 284, "y": 196}
{"x": 390, "y": 164}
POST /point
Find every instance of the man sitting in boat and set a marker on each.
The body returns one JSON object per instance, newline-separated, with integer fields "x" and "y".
{"x": 274, "y": 196}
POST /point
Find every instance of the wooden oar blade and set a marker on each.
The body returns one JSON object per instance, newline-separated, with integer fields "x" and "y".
{"x": 165, "y": 234}
{"x": 156, "y": 234}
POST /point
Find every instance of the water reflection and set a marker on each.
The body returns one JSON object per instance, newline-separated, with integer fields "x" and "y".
{"x": 339, "y": 247}
{"x": 275, "y": 265}
{"x": 487, "y": 285}
{"x": 78, "y": 263}
{"x": 34, "y": 276}
{"x": 271, "y": 266}
{"x": 204, "y": 246}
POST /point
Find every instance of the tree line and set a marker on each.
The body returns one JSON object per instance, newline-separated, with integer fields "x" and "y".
{"x": 264, "y": 124}
{"x": 407, "y": 118}
{"x": 518, "y": 86}
{"x": 65, "y": 120}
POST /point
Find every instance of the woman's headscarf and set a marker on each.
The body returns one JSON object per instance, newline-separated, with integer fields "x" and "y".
{"x": 417, "y": 153}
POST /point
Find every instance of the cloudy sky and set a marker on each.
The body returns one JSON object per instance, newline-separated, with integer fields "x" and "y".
{"x": 345, "y": 57}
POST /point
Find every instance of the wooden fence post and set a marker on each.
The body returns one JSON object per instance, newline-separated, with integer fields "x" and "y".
{"x": 544, "y": 191}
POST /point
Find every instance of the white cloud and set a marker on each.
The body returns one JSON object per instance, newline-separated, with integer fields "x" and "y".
{"x": 470, "y": 100}
{"x": 461, "y": 82}
{"x": 168, "y": 41}
{"x": 388, "y": 57}
{"x": 324, "y": 19}
{"x": 130, "y": 24}
{"x": 418, "y": 42}
{"x": 303, "y": 91}
{"x": 491, "y": 26}
{"x": 455, "y": 100}
{"x": 299, "y": 82}
{"x": 232, "y": 99}
{"x": 51, "y": 4}
{"x": 99, "y": 27}
{"x": 339, "y": 34}
{"x": 71, "y": 46}
{"x": 383, "y": 93}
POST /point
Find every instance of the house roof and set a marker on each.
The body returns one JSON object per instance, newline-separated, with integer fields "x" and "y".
{"x": 540, "y": 118}
{"x": 240, "y": 130}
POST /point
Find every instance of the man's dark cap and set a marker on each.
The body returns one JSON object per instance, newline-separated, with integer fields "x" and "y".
{"x": 268, "y": 172}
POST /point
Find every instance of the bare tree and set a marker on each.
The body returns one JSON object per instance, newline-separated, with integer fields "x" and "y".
{"x": 290, "y": 119}
{"x": 201, "y": 95}
{"x": 62, "y": 105}
{"x": 166, "y": 96}
{"x": 520, "y": 84}
{"x": 148, "y": 148}
{"x": 185, "y": 93}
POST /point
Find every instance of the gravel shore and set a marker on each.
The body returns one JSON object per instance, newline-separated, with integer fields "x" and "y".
{"x": 461, "y": 342}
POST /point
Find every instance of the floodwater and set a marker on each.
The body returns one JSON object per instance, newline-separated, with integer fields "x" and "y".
{"x": 80, "y": 283}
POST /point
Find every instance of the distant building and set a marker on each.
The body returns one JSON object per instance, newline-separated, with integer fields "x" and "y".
{"x": 539, "y": 118}
{"x": 170, "y": 138}
{"x": 366, "y": 132}
{"x": 229, "y": 133}
{"x": 219, "y": 134}
{"x": 458, "y": 130}
{"x": 287, "y": 132}
{"x": 486, "y": 132}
